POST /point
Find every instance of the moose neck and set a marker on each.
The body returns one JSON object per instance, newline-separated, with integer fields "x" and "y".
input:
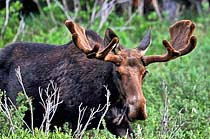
{"x": 113, "y": 85}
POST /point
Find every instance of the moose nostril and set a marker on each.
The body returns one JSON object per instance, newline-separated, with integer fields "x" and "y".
{"x": 133, "y": 101}
{"x": 137, "y": 112}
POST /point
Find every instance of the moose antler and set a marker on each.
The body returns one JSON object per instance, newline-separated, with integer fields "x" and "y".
{"x": 80, "y": 40}
{"x": 182, "y": 42}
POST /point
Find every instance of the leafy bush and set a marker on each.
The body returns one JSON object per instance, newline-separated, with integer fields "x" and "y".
{"x": 13, "y": 113}
{"x": 11, "y": 29}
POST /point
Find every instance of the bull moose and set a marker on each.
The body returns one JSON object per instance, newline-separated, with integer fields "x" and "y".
{"x": 83, "y": 66}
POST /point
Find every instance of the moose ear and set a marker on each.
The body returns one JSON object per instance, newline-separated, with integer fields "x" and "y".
{"x": 109, "y": 35}
{"x": 145, "y": 42}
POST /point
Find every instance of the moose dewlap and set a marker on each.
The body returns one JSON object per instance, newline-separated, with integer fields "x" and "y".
{"x": 82, "y": 67}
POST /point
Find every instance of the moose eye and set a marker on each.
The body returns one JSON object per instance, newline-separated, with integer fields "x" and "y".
{"x": 144, "y": 74}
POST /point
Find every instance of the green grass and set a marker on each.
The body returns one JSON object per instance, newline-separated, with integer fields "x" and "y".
{"x": 184, "y": 81}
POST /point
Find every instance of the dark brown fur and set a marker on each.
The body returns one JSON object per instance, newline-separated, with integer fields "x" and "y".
{"x": 80, "y": 80}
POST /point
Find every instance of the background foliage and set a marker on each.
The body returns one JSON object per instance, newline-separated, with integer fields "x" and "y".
{"x": 177, "y": 92}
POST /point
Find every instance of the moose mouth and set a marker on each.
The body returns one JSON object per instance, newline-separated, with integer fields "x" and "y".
{"x": 130, "y": 119}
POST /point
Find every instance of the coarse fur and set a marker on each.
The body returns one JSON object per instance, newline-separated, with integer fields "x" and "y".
{"x": 81, "y": 80}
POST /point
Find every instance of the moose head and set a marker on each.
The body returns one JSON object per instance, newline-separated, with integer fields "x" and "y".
{"x": 130, "y": 64}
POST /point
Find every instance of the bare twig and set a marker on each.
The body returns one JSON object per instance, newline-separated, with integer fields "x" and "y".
{"x": 21, "y": 118}
{"x": 130, "y": 19}
{"x": 23, "y": 33}
{"x": 167, "y": 119}
{"x": 18, "y": 74}
{"x": 139, "y": 131}
{"x": 124, "y": 28}
{"x": 156, "y": 7}
{"x": 105, "y": 11}
{"x": 51, "y": 12}
{"x": 79, "y": 132}
{"x": 93, "y": 12}
{"x": 176, "y": 126}
{"x": 6, "y": 19}
{"x": 141, "y": 7}
{"x": 93, "y": 111}
{"x": 122, "y": 1}
{"x": 76, "y": 8}
{"x": 7, "y": 112}
{"x": 106, "y": 106}
{"x": 20, "y": 29}
{"x": 62, "y": 8}
{"x": 50, "y": 104}
{"x": 79, "y": 121}
{"x": 39, "y": 7}
{"x": 65, "y": 4}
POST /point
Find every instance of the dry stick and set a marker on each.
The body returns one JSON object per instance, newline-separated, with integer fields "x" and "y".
{"x": 65, "y": 4}
{"x": 141, "y": 7}
{"x": 79, "y": 121}
{"x": 62, "y": 8}
{"x": 106, "y": 106}
{"x": 175, "y": 127}
{"x": 156, "y": 7}
{"x": 23, "y": 34}
{"x": 50, "y": 105}
{"x": 39, "y": 7}
{"x": 105, "y": 11}
{"x": 130, "y": 19}
{"x": 79, "y": 132}
{"x": 199, "y": 7}
{"x": 94, "y": 15}
{"x": 129, "y": 3}
{"x": 130, "y": 8}
{"x": 124, "y": 28}
{"x": 18, "y": 74}
{"x": 122, "y": 1}
{"x": 20, "y": 29}
{"x": 139, "y": 131}
{"x": 76, "y": 8}
{"x": 6, "y": 19}
{"x": 13, "y": 105}
{"x": 93, "y": 12}
{"x": 91, "y": 117}
{"x": 51, "y": 12}
{"x": 7, "y": 112}
{"x": 165, "y": 120}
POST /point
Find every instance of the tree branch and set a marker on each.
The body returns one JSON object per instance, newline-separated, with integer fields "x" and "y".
{"x": 6, "y": 19}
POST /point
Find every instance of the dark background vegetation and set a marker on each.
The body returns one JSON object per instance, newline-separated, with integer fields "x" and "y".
{"x": 177, "y": 92}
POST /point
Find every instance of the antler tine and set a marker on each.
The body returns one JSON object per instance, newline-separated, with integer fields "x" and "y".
{"x": 80, "y": 40}
{"x": 79, "y": 37}
{"x": 109, "y": 48}
{"x": 182, "y": 42}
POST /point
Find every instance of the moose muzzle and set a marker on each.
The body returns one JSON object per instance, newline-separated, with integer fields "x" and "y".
{"x": 137, "y": 110}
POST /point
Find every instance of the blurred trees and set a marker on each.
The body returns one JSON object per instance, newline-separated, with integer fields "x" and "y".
{"x": 92, "y": 9}
{"x": 172, "y": 8}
